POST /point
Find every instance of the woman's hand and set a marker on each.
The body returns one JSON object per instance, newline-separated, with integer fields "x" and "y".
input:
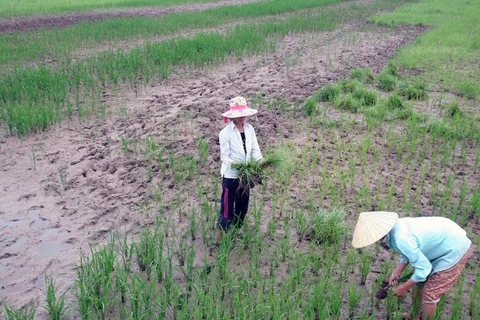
{"x": 401, "y": 290}
{"x": 393, "y": 281}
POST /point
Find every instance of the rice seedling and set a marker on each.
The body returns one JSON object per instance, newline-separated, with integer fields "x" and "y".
{"x": 473, "y": 303}
{"x": 475, "y": 203}
{"x": 203, "y": 150}
{"x": 355, "y": 295}
{"x": 184, "y": 168}
{"x": 25, "y": 313}
{"x": 252, "y": 173}
{"x": 33, "y": 158}
{"x": 453, "y": 110}
{"x": 55, "y": 304}
{"x": 335, "y": 302}
{"x": 364, "y": 266}
{"x": 326, "y": 226}
{"x": 393, "y": 307}
{"x": 62, "y": 178}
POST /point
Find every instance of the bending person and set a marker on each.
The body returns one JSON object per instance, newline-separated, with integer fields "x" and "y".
{"x": 436, "y": 247}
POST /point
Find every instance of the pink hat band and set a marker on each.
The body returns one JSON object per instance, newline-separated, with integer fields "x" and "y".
{"x": 238, "y": 108}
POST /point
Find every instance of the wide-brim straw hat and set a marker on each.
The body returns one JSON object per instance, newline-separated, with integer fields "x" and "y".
{"x": 238, "y": 108}
{"x": 372, "y": 226}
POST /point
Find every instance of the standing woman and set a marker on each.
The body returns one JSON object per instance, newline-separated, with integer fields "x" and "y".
{"x": 238, "y": 144}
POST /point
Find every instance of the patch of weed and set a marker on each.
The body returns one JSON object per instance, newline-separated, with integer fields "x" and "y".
{"x": 328, "y": 94}
{"x": 310, "y": 107}
{"x": 415, "y": 91}
{"x": 387, "y": 81}
{"x": 347, "y": 102}
{"x": 364, "y": 75}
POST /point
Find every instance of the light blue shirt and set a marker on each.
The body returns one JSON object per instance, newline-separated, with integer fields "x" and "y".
{"x": 231, "y": 148}
{"x": 429, "y": 244}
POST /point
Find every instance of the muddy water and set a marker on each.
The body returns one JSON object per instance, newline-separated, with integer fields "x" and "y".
{"x": 45, "y": 246}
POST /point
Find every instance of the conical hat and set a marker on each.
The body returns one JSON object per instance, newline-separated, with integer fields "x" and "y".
{"x": 372, "y": 226}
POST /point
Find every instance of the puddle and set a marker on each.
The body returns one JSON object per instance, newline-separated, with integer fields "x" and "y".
{"x": 13, "y": 223}
{"x": 5, "y": 262}
{"x": 48, "y": 234}
{"x": 5, "y": 236}
{"x": 34, "y": 239}
{"x": 18, "y": 245}
{"x": 38, "y": 222}
{"x": 48, "y": 249}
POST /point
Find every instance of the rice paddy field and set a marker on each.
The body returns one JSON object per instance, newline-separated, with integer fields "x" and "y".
{"x": 110, "y": 162}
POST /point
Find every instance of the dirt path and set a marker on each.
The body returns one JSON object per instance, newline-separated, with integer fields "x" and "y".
{"x": 18, "y": 24}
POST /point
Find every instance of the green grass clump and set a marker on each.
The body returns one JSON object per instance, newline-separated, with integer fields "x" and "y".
{"x": 468, "y": 90}
{"x": 415, "y": 91}
{"x": 348, "y": 102}
{"x": 326, "y": 226}
{"x": 328, "y": 93}
{"x": 364, "y": 75}
{"x": 447, "y": 53}
{"x": 349, "y": 86}
{"x": 310, "y": 107}
{"x": 391, "y": 69}
{"x": 387, "y": 81}
{"x": 24, "y": 313}
{"x": 395, "y": 102}
{"x": 366, "y": 97}
{"x": 453, "y": 110}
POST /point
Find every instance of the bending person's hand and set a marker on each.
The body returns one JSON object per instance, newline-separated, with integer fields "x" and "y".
{"x": 393, "y": 281}
{"x": 401, "y": 290}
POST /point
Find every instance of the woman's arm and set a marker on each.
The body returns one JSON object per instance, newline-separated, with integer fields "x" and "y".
{"x": 225, "y": 149}
{"x": 397, "y": 273}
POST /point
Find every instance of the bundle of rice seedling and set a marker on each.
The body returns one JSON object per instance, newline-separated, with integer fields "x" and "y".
{"x": 253, "y": 172}
{"x": 249, "y": 173}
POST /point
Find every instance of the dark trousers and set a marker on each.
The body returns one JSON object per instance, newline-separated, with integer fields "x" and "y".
{"x": 233, "y": 204}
